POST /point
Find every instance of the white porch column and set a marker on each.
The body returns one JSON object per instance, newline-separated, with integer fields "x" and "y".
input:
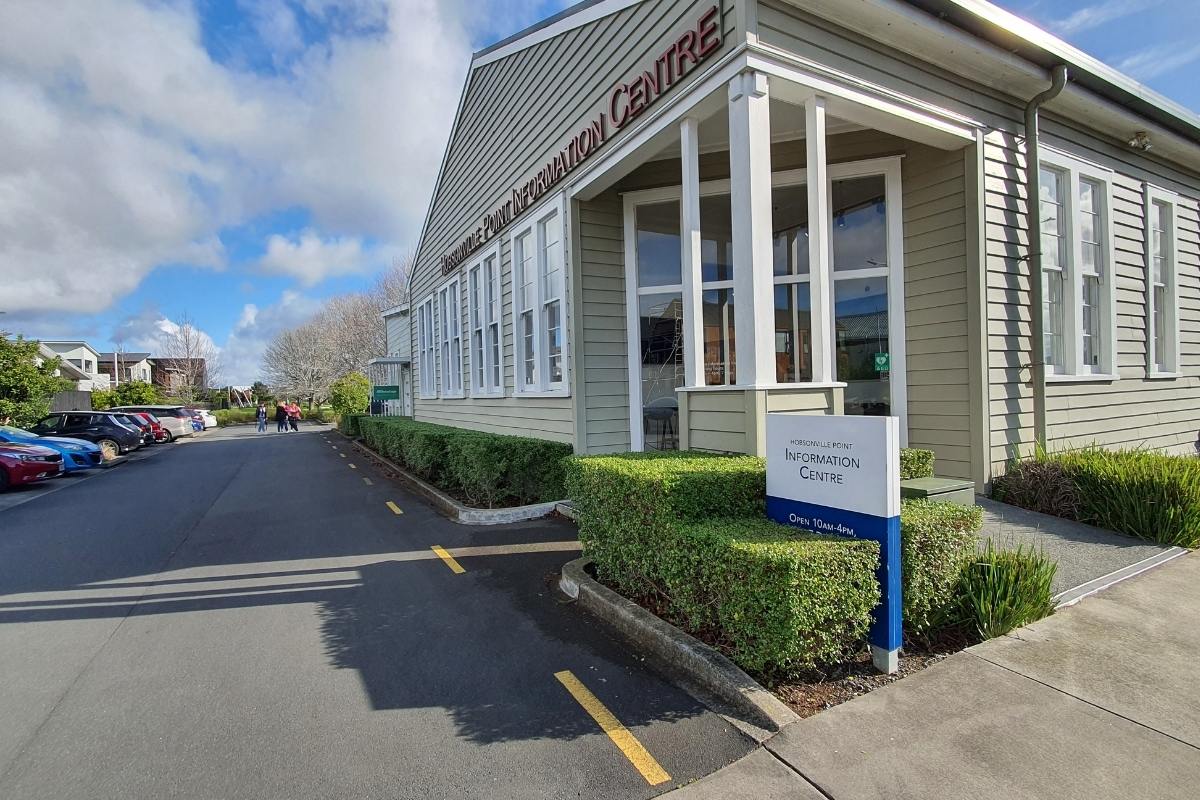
{"x": 750, "y": 200}
{"x": 820, "y": 226}
{"x": 689, "y": 228}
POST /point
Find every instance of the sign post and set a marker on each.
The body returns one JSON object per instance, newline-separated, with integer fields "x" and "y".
{"x": 840, "y": 476}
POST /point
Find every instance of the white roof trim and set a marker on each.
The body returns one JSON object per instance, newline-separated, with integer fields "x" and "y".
{"x": 542, "y": 31}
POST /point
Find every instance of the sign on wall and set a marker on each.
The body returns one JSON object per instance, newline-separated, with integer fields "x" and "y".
{"x": 840, "y": 476}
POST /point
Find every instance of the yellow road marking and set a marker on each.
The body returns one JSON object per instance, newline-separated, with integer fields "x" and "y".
{"x": 449, "y": 559}
{"x": 395, "y": 508}
{"x": 351, "y": 466}
{"x": 367, "y": 481}
{"x": 638, "y": 755}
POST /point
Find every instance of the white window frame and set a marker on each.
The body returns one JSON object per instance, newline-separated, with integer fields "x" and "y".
{"x": 484, "y": 319}
{"x": 1170, "y": 367}
{"x": 449, "y": 339}
{"x": 1073, "y": 170}
{"x": 426, "y": 350}
{"x": 532, "y": 227}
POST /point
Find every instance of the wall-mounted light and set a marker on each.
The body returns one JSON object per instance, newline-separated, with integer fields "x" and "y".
{"x": 1140, "y": 141}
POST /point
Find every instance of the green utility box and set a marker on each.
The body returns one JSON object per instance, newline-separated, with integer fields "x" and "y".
{"x": 954, "y": 490}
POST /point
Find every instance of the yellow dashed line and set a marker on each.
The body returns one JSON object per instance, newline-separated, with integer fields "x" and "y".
{"x": 449, "y": 559}
{"x": 395, "y": 508}
{"x": 638, "y": 755}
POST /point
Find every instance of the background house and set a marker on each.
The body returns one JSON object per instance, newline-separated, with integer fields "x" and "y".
{"x": 394, "y": 369}
{"x": 127, "y": 367}
{"x": 83, "y": 358}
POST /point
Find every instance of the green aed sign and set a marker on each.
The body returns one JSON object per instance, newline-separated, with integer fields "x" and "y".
{"x": 883, "y": 362}
{"x": 385, "y": 393}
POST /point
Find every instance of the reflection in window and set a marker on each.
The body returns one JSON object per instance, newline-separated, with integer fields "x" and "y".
{"x": 661, "y": 324}
{"x": 658, "y": 250}
{"x": 859, "y": 223}
{"x": 793, "y": 322}
{"x": 717, "y": 311}
{"x": 716, "y": 272}
{"x": 861, "y": 330}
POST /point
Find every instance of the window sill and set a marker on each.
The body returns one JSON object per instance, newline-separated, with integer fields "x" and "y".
{"x": 535, "y": 395}
{"x": 482, "y": 394}
{"x": 1083, "y": 377}
{"x": 743, "y": 387}
{"x": 1163, "y": 376}
{"x": 455, "y": 396}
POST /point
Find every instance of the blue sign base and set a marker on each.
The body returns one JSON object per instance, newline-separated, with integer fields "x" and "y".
{"x": 886, "y": 634}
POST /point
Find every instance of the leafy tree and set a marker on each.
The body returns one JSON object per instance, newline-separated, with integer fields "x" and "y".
{"x": 350, "y": 393}
{"x": 103, "y": 399}
{"x": 134, "y": 393}
{"x": 26, "y": 387}
{"x": 261, "y": 393}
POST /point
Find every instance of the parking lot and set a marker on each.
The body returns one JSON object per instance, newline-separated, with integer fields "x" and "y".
{"x": 265, "y": 616}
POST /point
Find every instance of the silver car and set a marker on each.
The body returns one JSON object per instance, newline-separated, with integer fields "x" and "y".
{"x": 176, "y": 420}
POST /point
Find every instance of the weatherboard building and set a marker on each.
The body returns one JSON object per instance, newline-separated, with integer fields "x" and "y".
{"x": 656, "y": 222}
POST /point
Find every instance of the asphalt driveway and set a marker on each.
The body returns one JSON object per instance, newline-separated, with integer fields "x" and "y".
{"x": 247, "y": 616}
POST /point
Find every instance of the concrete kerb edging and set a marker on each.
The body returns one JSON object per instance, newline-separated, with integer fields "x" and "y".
{"x": 450, "y": 507}
{"x": 696, "y": 665}
{"x": 1072, "y": 596}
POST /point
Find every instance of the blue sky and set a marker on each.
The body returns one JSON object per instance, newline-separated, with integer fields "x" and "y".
{"x": 238, "y": 161}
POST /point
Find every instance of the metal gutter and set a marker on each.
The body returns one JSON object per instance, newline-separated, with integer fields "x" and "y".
{"x": 1034, "y": 216}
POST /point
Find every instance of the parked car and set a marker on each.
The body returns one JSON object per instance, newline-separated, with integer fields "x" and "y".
{"x": 176, "y": 420}
{"x": 205, "y": 416}
{"x": 102, "y": 428}
{"x": 137, "y": 421}
{"x": 156, "y": 429}
{"x": 26, "y": 463}
{"x": 77, "y": 454}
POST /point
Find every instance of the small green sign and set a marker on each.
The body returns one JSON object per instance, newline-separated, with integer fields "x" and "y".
{"x": 385, "y": 393}
{"x": 883, "y": 362}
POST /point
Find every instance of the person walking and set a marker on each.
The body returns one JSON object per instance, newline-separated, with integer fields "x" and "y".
{"x": 261, "y": 416}
{"x": 281, "y": 416}
{"x": 294, "y": 416}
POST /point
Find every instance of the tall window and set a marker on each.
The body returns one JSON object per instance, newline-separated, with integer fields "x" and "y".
{"x": 539, "y": 305}
{"x": 1078, "y": 300}
{"x": 450, "y": 339}
{"x": 716, "y": 298}
{"x": 1162, "y": 335}
{"x": 426, "y": 349}
{"x": 483, "y": 291}
{"x": 793, "y": 320}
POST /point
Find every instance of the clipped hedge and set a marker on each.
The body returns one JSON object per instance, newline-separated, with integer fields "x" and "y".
{"x": 1141, "y": 493}
{"x": 235, "y": 416}
{"x": 483, "y": 469}
{"x": 936, "y": 540}
{"x": 348, "y": 424}
{"x": 778, "y": 600}
{"x": 915, "y": 463}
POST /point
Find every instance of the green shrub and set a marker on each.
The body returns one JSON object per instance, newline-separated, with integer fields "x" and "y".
{"x": 350, "y": 393}
{"x": 1141, "y": 493}
{"x": 626, "y": 505}
{"x": 779, "y": 600}
{"x": 936, "y": 539}
{"x": 1000, "y": 590}
{"x": 915, "y": 463}
{"x": 236, "y": 416}
{"x": 481, "y": 468}
{"x": 348, "y": 424}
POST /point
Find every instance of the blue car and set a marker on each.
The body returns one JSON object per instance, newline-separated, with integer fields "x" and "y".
{"x": 76, "y": 453}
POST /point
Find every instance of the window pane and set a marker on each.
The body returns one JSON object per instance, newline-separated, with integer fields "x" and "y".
{"x": 494, "y": 346}
{"x": 526, "y": 331}
{"x": 523, "y": 255}
{"x": 1052, "y": 219}
{"x": 717, "y": 312}
{"x": 551, "y": 264}
{"x": 661, "y": 324}
{"x": 1090, "y": 227}
{"x": 793, "y": 333}
{"x": 1052, "y": 318}
{"x": 859, "y": 223}
{"x": 554, "y": 340}
{"x": 861, "y": 328}
{"x": 789, "y": 217}
{"x": 1160, "y": 328}
{"x": 658, "y": 247}
{"x": 716, "y": 238}
{"x": 1091, "y": 321}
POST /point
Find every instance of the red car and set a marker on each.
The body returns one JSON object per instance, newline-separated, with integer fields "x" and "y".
{"x": 157, "y": 431}
{"x": 26, "y": 463}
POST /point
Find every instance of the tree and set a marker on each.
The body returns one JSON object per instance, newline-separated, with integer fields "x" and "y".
{"x": 190, "y": 361}
{"x": 350, "y": 394}
{"x": 26, "y": 387}
{"x": 299, "y": 364}
{"x": 261, "y": 393}
{"x": 135, "y": 393}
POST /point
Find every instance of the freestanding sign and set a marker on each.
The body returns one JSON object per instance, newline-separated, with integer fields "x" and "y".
{"x": 385, "y": 393}
{"x": 841, "y": 475}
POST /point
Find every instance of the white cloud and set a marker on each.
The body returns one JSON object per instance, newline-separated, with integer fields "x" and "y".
{"x": 1094, "y": 16}
{"x": 1160, "y": 59}
{"x": 126, "y": 146}
{"x": 310, "y": 259}
{"x": 243, "y": 352}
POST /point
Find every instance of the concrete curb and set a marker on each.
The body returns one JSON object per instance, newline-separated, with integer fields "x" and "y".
{"x": 696, "y": 665}
{"x": 1072, "y": 596}
{"x": 448, "y": 506}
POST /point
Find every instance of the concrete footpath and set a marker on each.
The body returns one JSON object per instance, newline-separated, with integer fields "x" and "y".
{"x": 1098, "y": 701}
